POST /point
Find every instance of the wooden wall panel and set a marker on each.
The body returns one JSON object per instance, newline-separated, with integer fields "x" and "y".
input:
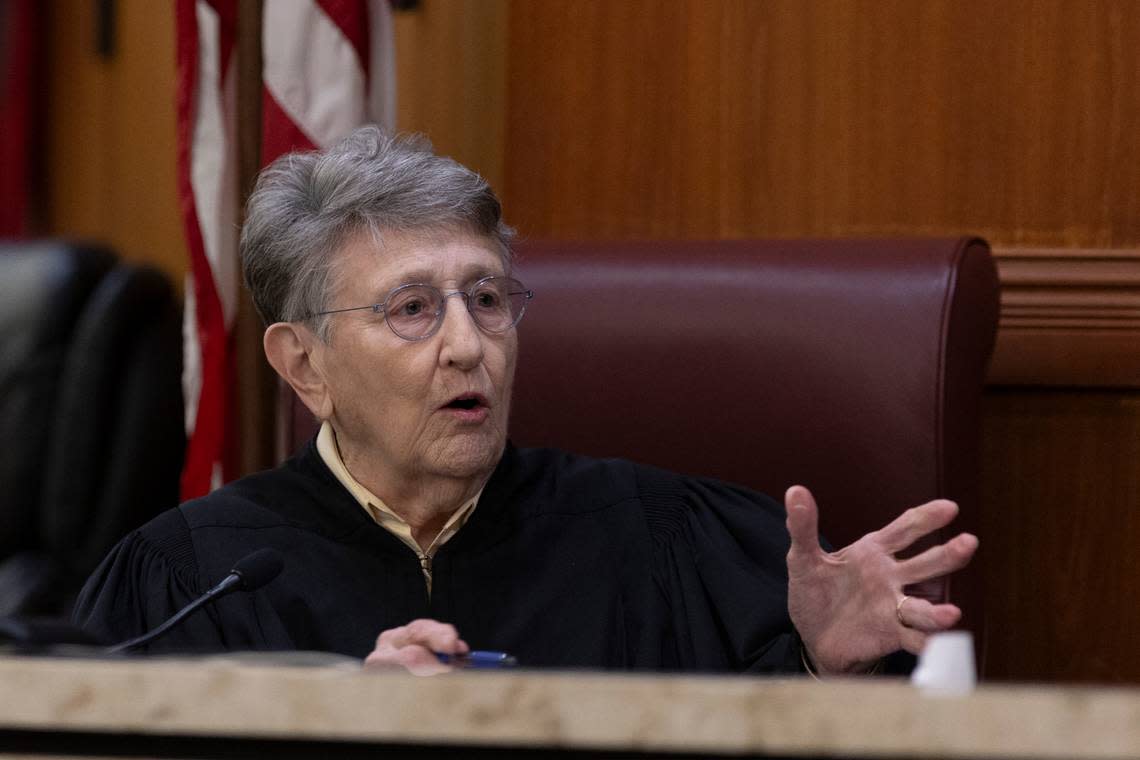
{"x": 1061, "y": 523}
{"x": 1069, "y": 317}
{"x": 111, "y": 144}
{"x": 684, "y": 118}
{"x": 451, "y": 67}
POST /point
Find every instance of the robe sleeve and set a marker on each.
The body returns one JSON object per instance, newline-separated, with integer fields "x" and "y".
{"x": 147, "y": 578}
{"x": 720, "y": 564}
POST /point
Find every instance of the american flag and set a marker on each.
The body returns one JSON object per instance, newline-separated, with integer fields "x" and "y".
{"x": 328, "y": 67}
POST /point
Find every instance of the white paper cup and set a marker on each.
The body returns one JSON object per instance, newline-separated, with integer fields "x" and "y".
{"x": 946, "y": 665}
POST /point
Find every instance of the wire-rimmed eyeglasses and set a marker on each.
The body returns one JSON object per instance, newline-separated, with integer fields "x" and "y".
{"x": 415, "y": 311}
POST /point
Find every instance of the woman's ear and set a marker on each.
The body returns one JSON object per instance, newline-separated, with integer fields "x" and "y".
{"x": 292, "y": 350}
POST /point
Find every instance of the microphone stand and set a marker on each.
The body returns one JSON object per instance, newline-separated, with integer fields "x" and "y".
{"x": 229, "y": 583}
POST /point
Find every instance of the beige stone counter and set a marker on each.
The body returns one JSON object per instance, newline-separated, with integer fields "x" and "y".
{"x": 853, "y": 718}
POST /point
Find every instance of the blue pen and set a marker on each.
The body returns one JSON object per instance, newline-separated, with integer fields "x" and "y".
{"x": 478, "y": 659}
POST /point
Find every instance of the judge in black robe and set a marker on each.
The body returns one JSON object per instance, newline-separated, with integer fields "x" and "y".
{"x": 566, "y": 562}
{"x": 384, "y": 275}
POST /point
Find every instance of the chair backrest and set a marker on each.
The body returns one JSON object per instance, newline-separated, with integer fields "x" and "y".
{"x": 854, "y": 367}
{"x": 90, "y": 364}
{"x": 44, "y": 287}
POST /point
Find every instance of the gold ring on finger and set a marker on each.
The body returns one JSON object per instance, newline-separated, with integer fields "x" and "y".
{"x": 898, "y": 609}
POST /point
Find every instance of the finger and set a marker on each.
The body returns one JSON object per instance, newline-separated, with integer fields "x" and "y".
{"x": 915, "y": 523}
{"x": 939, "y": 560}
{"x": 437, "y": 636}
{"x": 389, "y": 636}
{"x": 913, "y": 641}
{"x": 802, "y": 522}
{"x": 382, "y": 657}
{"x": 414, "y": 658}
{"x": 421, "y": 661}
{"x": 920, "y": 615}
{"x": 440, "y": 637}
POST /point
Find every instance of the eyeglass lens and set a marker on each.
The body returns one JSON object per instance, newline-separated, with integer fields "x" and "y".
{"x": 415, "y": 311}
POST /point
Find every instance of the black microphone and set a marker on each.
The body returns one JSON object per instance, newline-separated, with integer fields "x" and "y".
{"x": 250, "y": 573}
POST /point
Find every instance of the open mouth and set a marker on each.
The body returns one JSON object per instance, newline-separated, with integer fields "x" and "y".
{"x": 467, "y": 402}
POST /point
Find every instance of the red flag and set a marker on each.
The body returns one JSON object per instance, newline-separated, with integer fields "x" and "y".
{"x": 328, "y": 68}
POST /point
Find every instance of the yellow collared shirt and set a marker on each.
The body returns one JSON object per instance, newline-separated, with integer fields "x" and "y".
{"x": 381, "y": 513}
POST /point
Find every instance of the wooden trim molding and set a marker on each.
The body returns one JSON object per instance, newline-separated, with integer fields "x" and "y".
{"x": 1069, "y": 317}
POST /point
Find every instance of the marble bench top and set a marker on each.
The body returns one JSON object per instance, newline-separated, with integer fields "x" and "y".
{"x": 251, "y": 696}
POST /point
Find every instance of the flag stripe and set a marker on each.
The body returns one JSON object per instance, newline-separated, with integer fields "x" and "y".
{"x": 226, "y": 30}
{"x": 200, "y": 37}
{"x": 280, "y": 135}
{"x": 213, "y": 156}
{"x": 313, "y": 71}
{"x": 351, "y": 18}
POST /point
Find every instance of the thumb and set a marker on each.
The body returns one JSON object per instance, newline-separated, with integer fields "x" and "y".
{"x": 803, "y": 522}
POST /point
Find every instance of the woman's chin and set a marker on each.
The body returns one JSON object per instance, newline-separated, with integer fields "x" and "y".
{"x": 466, "y": 456}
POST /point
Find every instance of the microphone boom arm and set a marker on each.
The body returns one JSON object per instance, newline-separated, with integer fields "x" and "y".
{"x": 250, "y": 573}
{"x": 229, "y": 583}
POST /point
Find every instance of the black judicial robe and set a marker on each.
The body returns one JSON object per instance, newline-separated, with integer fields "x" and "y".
{"x": 567, "y": 561}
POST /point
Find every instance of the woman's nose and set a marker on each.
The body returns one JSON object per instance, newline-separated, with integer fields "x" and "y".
{"x": 462, "y": 338}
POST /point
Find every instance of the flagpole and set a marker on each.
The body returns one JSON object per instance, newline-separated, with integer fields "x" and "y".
{"x": 256, "y": 387}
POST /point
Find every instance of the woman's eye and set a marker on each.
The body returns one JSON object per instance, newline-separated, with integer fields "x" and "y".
{"x": 411, "y": 308}
{"x": 486, "y": 299}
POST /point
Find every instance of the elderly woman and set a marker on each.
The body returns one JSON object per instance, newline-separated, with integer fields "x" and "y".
{"x": 410, "y": 526}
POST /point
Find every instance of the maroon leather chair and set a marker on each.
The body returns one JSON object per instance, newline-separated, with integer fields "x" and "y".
{"x": 854, "y": 367}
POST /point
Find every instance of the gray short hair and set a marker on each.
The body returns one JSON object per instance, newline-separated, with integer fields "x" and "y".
{"x": 305, "y": 206}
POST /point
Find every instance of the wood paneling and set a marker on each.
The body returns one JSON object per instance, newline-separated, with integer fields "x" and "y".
{"x": 684, "y": 118}
{"x": 1061, "y": 523}
{"x": 111, "y": 141}
{"x": 1069, "y": 317}
{"x": 451, "y": 63}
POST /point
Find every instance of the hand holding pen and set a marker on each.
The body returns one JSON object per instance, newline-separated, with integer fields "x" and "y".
{"x": 427, "y": 647}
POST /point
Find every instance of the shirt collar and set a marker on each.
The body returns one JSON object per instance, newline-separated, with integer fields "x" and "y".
{"x": 380, "y": 512}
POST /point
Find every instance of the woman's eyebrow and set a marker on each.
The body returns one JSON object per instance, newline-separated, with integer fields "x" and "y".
{"x": 480, "y": 273}
{"x": 415, "y": 277}
{"x": 426, "y": 277}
